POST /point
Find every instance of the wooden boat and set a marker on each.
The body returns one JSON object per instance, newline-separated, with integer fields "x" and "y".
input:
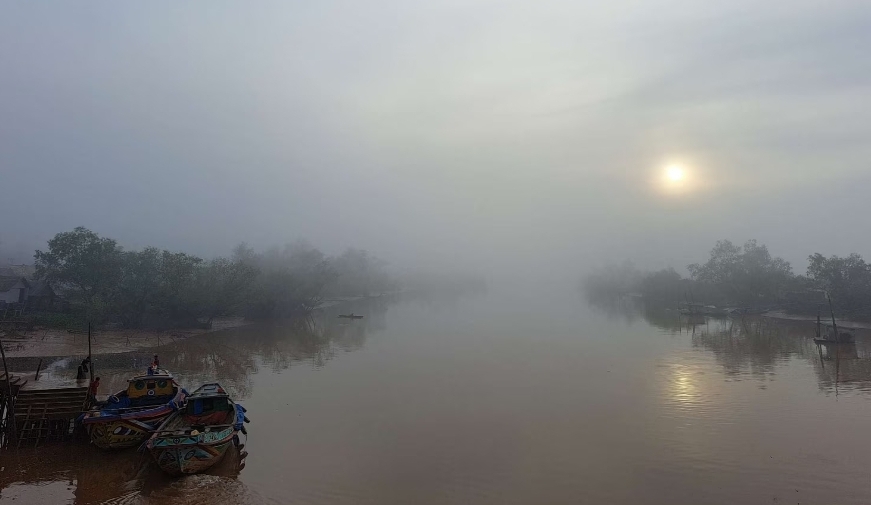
{"x": 129, "y": 416}
{"x": 350, "y": 316}
{"x": 695, "y": 309}
{"x": 845, "y": 339}
{"x": 747, "y": 311}
{"x": 195, "y": 438}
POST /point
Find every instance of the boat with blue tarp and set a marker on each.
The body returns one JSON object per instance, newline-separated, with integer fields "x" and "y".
{"x": 128, "y": 417}
{"x": 195, "y": 438}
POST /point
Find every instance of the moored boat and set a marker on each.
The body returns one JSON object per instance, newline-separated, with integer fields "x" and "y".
{"x": 128, "y": 417}
{"x": 696, "y": 309}
{"x": 195, "y": 438}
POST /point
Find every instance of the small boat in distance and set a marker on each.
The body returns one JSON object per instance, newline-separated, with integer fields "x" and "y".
{"x": 825, "y": 341}
{"x": 129, "y": 416}
{"x": 697, "y": 309}
{"x": 833, "y": 336}
{"x": 748, "y": 311}
{"x": 842, "y": 337}
{"x": 350, "y": 316}
{"x": 194, "y": 439}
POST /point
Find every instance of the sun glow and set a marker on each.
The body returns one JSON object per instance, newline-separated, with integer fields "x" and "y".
{"x": 675, "y": 179}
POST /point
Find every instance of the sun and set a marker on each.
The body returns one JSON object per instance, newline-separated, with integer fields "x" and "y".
{"x": 676, "y": 178}
{"x": 675, "y": 173}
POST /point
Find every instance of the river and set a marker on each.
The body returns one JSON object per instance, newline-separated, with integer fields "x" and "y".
{"x": 520, "y": 398}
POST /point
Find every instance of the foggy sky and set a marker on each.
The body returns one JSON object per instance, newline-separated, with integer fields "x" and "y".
{"x": 491, "y": 135}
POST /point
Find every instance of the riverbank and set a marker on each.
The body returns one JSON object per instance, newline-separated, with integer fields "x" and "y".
{"x": 824, "y": 319}
{"x": 48, "y": 342}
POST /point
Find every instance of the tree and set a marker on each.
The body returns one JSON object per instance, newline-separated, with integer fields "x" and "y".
{"x": 83, "y": 263}
{"x": 224, "y": 286}
{"x": 152, "y": 287}
{"x": 747, "y": 274}
{"x": 177, "y": 292}
{"x": 291, "y": 281}
{"x": 139, "y": 285}
{"x": 359, "y": 274}
{"x": 847, "y": 279}
{"x": 663, "y": 285}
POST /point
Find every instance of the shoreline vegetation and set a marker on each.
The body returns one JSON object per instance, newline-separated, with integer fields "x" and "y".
{"x": 101, "y": 283}
{"x": 135, "y": 299}
{"x": 141, "y": 298}
{"x": 742, "y": 280}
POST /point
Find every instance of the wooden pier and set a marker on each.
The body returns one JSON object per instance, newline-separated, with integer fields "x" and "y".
{"x": 9, "y": 387}
{"x": 32, "y": 416}
{"x": 38, "y": 413}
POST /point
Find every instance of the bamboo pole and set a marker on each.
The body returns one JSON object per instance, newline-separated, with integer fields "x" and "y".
{"x": 90, "y": 360}
{"x": 10, "y": 407}
{"x": 834, "y": 324}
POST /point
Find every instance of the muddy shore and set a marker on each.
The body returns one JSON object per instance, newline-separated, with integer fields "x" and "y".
{"x": 47, "y": 342}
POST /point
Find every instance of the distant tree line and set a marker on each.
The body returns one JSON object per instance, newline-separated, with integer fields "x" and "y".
{"x": 747, "y": 276}
{"x": 157, "y": 288}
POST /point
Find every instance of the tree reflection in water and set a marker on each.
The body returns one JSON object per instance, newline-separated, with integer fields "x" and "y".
{"x": 232, "y": 356}
{"x": 79, "y": 472}
{"x": 754, "y": 346}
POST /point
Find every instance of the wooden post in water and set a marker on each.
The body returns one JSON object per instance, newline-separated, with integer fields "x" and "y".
{"x": 837, "y": 347}
{"x": 38, "y": 368}
{"x": 90, "y": 360}
{"x": 10, "y": 405}
{"x": 834, "y": 324}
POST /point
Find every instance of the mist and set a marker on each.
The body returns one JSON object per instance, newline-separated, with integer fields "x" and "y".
{"x": 496, "y": 138}
{"x": 477, "y": 251}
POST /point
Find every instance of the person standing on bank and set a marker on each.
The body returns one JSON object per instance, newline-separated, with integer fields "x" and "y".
{"x": 92, "y": 390}
{"x": 82, "y": 371}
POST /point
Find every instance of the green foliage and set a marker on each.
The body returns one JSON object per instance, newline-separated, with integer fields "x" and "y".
{"x": 747, "y": 274}
{"x": 358, "y": 274}
{"x": 665, "y": 284}
{"x": 83, "y": 263}
{"x": 138, "y": 289}
{"x": 291, "y": 281}
{"x": 223, "y": 286}
{"x": 848, "y": 280}
{"x": 162, "y": 288}
{"x": 177, "y": 292}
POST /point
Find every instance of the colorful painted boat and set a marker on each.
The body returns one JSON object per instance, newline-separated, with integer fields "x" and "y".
{"x": 195, "y": 438}
{"x": 130, "y": 416}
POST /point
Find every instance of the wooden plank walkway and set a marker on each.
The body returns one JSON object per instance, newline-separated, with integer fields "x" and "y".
{"x": 34, "y": 416}
{"x": 48, "y": 414}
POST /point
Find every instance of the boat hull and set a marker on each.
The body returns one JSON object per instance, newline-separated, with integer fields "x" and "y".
{"x": 121, "y": 429}
{"x": 189, "y": 454}
{"x": 124, "y": 433}
{"x": 196, "y": 438}
{"x": 189, "y": 460}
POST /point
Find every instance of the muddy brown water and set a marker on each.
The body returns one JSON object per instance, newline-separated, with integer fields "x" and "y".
{"x": 500, "y": 399}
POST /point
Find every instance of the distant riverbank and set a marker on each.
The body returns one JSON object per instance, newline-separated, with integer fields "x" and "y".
{"x": 842, "y": 323}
